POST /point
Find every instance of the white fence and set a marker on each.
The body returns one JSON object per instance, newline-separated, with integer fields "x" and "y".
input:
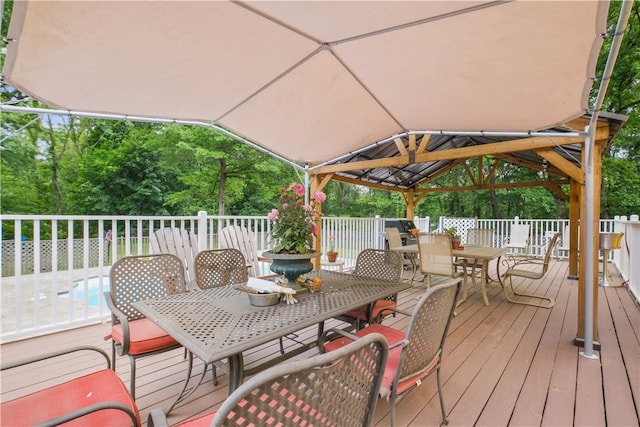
{"x": 41, "y": 294}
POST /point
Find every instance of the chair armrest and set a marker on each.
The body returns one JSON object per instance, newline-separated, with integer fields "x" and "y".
{"x": 402, "y": 343}
{"x": 157, "y": 418}
{"x": 56, "y": 354}
{"x": 511, "y": 260}
{"x": 339, "y": 332}
{"x": 124, "y": 321}
{"x": 387, "y": 311}
{"x": 102, "y": 406}
{"x": 332, "y": 334}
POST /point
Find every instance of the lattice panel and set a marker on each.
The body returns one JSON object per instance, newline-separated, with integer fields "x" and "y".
{"x": 46, "y": 255}
{"x": 461, "y": 224}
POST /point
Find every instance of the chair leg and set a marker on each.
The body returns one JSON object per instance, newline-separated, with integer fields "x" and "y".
{"x": 550, "y": 302}
{"x": 392, "y": 405}
{"x": 445, "y": 420}
{"x": 113, "y": 355}
{"x": 132, "y": 383}
{"x": 320, "y": 332}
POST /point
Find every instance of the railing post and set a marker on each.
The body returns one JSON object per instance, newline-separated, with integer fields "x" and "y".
{"x": 377, "y": 232}
{"x": 203, "y": 232}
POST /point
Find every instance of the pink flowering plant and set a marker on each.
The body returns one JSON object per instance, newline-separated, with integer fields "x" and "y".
{"x": 293, "y": 221}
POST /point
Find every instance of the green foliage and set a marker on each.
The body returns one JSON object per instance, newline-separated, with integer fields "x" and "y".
{"x": 121, "y": 176}
{"x": 83, "y": 166}
{"x": 620, "y": 188}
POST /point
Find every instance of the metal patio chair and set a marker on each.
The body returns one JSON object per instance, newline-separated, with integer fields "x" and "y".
{"x": 521, "y": 267}
{"x": 412, "y": 355}
{"x": 98, "y": 398}
{"x": 381, "y": 264}
{"x": 336, "y": 389}
{"x": 436, "y": 258}
{"x": 135, "y": 278}
{"x": 220, "y": 267}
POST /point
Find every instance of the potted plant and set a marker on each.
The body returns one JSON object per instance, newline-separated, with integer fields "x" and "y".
{"x": 332, "y": 254}
{"x": 293, "y": 225}
{"x": 455, "y": 238}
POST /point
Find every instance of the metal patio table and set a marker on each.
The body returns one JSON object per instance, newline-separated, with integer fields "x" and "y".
{"x": 474, "y": 252}
{"x": 219, "y": 323}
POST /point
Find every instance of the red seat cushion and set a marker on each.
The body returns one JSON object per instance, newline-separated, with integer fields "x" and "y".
{"x": 145, "y": 336}
{"x": 361, "y": 312}
{"x": 90, "y": 389}
{"x": 393, "y": 336}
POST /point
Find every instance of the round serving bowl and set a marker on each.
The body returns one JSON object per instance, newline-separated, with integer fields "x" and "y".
{"x": 264, "y": 300}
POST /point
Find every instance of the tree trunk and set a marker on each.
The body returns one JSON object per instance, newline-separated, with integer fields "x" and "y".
{"x": 54, "y": 165}
{"x": 223, "y": 182}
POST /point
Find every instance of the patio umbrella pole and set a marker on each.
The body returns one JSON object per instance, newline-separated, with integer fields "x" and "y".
{"x": 588, "y": 247}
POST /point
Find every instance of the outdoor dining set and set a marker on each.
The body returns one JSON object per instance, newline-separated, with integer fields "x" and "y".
{"x": 157, "y": 306}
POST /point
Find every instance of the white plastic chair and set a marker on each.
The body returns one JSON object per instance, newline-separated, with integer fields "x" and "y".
{"x": 244, "y": 240}
{"x": 179, "y": 242}
{"x": 519, "y": 238}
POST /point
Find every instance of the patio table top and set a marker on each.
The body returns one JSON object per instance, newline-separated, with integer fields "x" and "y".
{"x": 218, "y": 323}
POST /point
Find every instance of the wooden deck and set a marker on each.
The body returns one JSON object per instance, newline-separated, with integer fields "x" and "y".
{"x": 504, "y": 364}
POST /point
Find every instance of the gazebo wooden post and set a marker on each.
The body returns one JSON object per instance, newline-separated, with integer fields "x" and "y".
{"x": 409, "y": 203}
{"x": 574, "y": 219}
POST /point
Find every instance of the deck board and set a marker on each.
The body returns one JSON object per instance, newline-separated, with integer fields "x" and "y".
{"x": 504, "y": 364}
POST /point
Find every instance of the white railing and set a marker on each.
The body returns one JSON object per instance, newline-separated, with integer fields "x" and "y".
{"x": 540, "y": 231}
{"x": 55, "y": 268}
{"x": 628, "y": 257}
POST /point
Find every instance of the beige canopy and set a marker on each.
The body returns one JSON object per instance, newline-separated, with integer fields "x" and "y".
{"x": 311, "y": 80}
{"x": 320, "y": 83}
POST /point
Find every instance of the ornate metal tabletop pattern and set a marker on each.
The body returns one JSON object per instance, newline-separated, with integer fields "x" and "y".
{"x": 218, "y": 323}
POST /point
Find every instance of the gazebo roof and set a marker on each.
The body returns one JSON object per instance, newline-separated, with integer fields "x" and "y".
{"x": 404, "y": 176}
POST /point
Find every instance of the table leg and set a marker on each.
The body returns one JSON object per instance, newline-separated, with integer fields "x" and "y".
{"x": 483, "y": 280}
{"x": 183, "y": 393}
{"x": 236, "y": 372}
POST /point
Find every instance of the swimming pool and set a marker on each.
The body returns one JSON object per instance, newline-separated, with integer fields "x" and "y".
{"x": 93, "y": 295}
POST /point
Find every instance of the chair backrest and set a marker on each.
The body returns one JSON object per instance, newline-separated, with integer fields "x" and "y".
{"x": 220, "y": 267}
{"x": 519, "y": 236}
{"x": 480, "y": 236}
{"x": 550, "y": 249}
{"x": 427, "y": 329}
{"x": 179, "y": 242}
{"x": 135, "y": 278}
{"x": 393, "y": 237}
{"x": 436, "y": 254}
{"x": 242, "y": 239}
{"x": 378, "y": 263}
{"x": 336, "y": 388}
